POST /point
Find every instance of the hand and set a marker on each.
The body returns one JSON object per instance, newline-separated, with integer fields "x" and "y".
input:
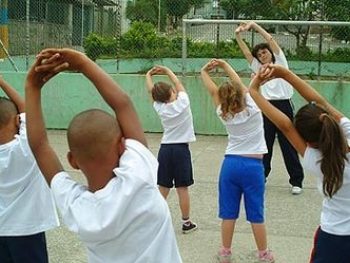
{"x": 158, "y": 70}
{"x": 41, "y": 72}
{"x": 75, "y": 59}
{"x": 152, "y": 71}
{"x": 245, "y": 26}
{"x": 209, "y": 66}
{"x": 273, "y": 70}
{"x": 220, "y": 63}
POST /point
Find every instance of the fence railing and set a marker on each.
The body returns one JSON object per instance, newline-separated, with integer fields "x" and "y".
{"x": 312, "y": 47}
{"x": 307, "y": 44}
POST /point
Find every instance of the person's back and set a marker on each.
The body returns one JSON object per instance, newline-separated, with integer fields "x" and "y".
{"x": 26, "y": 205}
{"x": 127, "y": 220}
{"x": 172, "y": 105}
{"x": 176, "y": 118}
{"x": 120, "y": 215}
{"x": 245, "y": 130}
{"x": 317, "y": 133}
{"x": 241, "y": 173}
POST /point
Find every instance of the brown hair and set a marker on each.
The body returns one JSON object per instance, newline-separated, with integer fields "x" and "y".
{"x": 161, "y": 91}
{"x": 316, "y": 125}
{"x": 8, "y": 109}
{"x": 260, "y": 47}
{"x": 231, "y": 98}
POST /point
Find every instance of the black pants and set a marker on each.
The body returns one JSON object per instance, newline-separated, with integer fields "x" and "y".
{"x": 23, "y": 249}
{"x": 290, "y": 155}
{"x": 330, "y": 248}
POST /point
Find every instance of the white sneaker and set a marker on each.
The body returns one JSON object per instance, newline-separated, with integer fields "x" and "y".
{"x": 296, "y": 190}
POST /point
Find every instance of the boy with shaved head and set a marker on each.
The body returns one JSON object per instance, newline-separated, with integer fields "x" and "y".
{"x": 120, "y": 216}
{"x": 26, "y": 205}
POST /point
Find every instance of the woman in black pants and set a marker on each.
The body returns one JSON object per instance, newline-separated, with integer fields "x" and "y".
{"x": 279, "y": 93}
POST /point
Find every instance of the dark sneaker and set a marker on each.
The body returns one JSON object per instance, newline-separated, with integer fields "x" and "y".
{"x": 189, "y": 227}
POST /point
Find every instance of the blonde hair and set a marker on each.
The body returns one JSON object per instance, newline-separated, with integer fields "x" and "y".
{"x": 231, "y": 96}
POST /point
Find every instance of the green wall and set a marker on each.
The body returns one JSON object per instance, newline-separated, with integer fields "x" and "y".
{"x": 69, "y": 93}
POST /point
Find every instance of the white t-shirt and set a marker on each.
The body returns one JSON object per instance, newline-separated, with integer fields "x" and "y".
{"x": 176, "y": 118}
{"x": 245, "y": 130}
{"x": 128, "y": 221}
{"x": 275, "y": 89}
{"x": 335, "y": 215}
{"x": 26, "y": 203}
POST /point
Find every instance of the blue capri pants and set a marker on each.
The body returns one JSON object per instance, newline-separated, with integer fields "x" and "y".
{"x": 242, "y": 176}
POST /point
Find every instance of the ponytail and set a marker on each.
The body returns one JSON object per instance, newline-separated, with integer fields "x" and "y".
{"x": 317, "y": 126}
{"x": 333, "y": 147}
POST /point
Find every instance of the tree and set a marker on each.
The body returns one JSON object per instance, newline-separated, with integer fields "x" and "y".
{"x": 337, "y": 10}
{"x": 148, "y": 10}
{"x": 142, "y": 10}
{"x": 248, "y": 9}
{"x": 176, "y": 9}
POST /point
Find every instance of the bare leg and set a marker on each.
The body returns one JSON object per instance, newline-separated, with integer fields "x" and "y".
{"x": 227, "y": 229}
{"x": 259, "y": 232}
{"x": 184, "y": 201}
{"x": 164, "y": 191}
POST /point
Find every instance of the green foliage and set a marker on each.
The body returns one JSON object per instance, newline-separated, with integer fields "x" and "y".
{"x": 142, "y": 41}
{"x": 92, "y": 46}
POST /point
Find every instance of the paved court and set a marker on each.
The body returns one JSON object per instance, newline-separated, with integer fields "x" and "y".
{"x": 291, "y": 220}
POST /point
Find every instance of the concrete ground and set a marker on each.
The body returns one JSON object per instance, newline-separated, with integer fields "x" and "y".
{"x": 290, "y": 220}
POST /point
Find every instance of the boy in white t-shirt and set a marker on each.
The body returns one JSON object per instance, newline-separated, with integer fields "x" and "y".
{"x": 120, "y": 216}
{"x": 26, "y": 205}
{"x": 172, "y": 105}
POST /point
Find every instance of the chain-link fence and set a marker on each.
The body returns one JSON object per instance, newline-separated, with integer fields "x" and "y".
{"x": 155, "y": 29}
{"x": 310, "y": 46}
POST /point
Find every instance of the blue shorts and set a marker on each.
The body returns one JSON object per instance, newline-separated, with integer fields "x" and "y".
{"x": 175, "y": 165}
{"x": 329, "y": 248}
{"x": 242, "y": 176}
{"x": 19, "y": 249}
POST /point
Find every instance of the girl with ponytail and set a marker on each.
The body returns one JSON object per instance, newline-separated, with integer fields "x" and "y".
{"x": 320, "y": 134}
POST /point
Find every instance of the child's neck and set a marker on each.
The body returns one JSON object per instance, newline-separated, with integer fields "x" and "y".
{"x": 7, "y": 134}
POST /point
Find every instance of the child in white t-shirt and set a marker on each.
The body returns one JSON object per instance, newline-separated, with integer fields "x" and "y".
{"x": 279, "y": 93}
{"x": 321, "y": 134}
{"x": 172, "y": 105}
{"x": 242, "y": 171}
{"x": 120, "y": 216}
{"x": 26, "y": 205}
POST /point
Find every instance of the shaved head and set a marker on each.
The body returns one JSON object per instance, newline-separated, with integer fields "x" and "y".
{"x": 92, "y": 133}
{"x": 7, "y": 110}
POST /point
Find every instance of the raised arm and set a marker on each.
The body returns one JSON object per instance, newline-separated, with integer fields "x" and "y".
{"x": 229, "y": 71}
{"x": 149, "y": 82}
{"x": 174, "y": 79}
{"x": 209, "y": 83}
{"x": 303, "y": 88}
{"x": 272, "y": 42}
{"x": 12, "y": 94}
{"x": 245, "y": 49}
{"x": 110, "y": 91}
{"x": 45, "y": 156}
{"x": 281, "y": 121}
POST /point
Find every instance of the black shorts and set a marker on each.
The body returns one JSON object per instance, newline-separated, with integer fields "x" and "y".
{"x": 19, "y": 249}
{"x": 175, "y": 165}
